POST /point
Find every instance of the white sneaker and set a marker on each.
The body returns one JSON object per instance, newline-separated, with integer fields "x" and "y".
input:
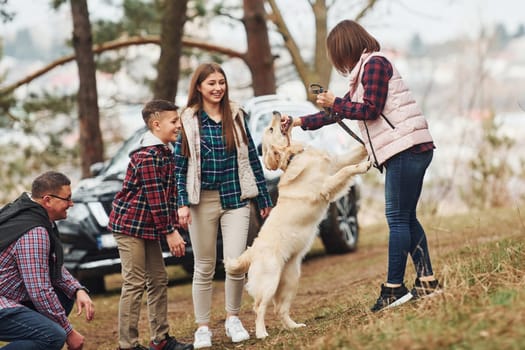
{"x": 235, "y": 330}
{"x": 202, "y": 338}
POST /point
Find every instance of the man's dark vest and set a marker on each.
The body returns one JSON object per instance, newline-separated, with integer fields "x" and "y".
{"x": 24, "y": 214}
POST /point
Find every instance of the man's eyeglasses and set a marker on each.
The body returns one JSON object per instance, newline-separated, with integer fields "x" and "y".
{"x": 68, "y": 199}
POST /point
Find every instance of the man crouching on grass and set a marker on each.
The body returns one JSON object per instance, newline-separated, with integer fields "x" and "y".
{"x": 36, "y": 292}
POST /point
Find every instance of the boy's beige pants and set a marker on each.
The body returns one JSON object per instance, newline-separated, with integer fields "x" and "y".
{"x": 142, "y": 267}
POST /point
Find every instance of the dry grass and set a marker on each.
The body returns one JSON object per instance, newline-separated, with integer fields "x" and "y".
{"x": 480, "y": 258}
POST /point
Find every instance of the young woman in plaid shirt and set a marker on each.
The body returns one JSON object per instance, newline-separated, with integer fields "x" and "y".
{"x": 397, "y": 138}
{"x": 218, "y": 173}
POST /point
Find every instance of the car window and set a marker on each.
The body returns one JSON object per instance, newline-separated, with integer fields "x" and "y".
{"x": 119, "y": 162}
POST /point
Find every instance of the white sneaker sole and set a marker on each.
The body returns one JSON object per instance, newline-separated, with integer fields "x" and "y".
{"x": 201, "y": 345}
{"x": 204, "y": 341}
{"x": 399, "y": 301}
{"x": 237, "y": 340}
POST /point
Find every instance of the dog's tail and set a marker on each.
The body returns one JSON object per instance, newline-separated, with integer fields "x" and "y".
{"x": 240, "y": 264}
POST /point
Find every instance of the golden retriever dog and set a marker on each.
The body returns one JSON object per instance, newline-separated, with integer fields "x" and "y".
{"x": 311, "y": 179}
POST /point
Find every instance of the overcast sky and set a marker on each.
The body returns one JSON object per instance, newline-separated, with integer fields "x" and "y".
{"x": 440, "y": 20}
{"x": 393, "y": 22}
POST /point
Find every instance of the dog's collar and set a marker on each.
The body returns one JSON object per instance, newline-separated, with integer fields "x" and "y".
{"x": 292, "y": 156}
{"x": 290, "y": 159}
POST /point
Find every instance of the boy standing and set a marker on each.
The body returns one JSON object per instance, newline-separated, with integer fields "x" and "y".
{"x": 144, "y": 210}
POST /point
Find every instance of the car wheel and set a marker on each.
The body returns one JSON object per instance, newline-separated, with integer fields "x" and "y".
{"x": 340, "y": 230}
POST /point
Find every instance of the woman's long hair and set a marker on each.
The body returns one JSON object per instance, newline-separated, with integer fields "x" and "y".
{"x": 345, "y": 44}
{"x": 195, "y": 101}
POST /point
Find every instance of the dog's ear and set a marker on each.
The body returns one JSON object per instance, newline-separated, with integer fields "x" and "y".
{"x": 270, "y": 157}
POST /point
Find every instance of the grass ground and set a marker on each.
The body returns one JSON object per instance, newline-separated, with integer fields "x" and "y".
{"x": 479, "y": 257}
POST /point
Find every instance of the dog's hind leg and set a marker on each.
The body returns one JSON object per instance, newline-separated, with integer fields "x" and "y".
{"x": 287, "y": 291}
{"x": 263, "y": 279}
{"x": 260, "y": 310}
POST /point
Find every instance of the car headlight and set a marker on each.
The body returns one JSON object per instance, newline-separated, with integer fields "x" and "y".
{"x": 78, "y": 212}
{"x": 99, "y": 213}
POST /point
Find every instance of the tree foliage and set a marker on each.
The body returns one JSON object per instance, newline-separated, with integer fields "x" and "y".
{"x": 160, "y": 22}
{"x": 490, "y": 169}
{"x": 6, "y": 15}
{"x": 318, "y": 69}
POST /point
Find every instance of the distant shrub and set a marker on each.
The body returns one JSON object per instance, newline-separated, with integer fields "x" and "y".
{"x": 490, "y": 169}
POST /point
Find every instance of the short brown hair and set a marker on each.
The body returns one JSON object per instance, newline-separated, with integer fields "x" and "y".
{"x": 345, "y": 44}
{"x": 50, "y": 181}
{"x": 152, "y": 108}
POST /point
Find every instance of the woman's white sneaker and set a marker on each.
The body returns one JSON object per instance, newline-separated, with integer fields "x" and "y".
{"x": 202, "y": 338}
{"x": 235, "y": 330}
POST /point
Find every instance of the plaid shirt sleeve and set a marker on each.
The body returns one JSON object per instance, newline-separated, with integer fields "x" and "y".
{"x": 376, "y": 75}
{"x": 68, "y": 284}
{"x": 32, "y": 252}
{"x": 263, "y": 199}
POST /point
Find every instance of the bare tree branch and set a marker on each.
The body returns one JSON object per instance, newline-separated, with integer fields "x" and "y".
{"x": 289, "y": 41}
{"x": 319, "y": 70}
{"x": 117, "y": 44}
{"x": 368, "y": 7}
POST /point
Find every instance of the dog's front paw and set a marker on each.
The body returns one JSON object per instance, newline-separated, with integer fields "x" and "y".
{"x": 364, "y": 166}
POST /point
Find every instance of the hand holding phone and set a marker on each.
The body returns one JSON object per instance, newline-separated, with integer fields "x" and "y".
{"x": 326, "y": 100}
{"x": 316, "y": 89}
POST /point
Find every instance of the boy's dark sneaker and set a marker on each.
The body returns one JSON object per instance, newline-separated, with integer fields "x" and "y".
{"x": 391, "y": 297}
{"x": 170, "y": 343}
{"x": 136, "y": 347}
{"x": 423, "y": 289}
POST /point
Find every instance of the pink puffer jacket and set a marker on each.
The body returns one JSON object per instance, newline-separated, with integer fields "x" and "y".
{"x": 400, "y": 126}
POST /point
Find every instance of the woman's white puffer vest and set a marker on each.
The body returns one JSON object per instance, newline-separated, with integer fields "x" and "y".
{"x": 401, "y": 124}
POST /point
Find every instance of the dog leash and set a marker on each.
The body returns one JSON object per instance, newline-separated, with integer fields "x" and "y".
{"x": 347, "y": 129}
{"x": 317, "y": 89}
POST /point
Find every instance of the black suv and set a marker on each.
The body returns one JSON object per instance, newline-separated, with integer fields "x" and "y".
{"x": 90, "y": 251}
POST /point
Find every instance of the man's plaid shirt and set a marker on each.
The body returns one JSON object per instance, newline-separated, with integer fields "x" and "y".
{"x": 24, "y": 267}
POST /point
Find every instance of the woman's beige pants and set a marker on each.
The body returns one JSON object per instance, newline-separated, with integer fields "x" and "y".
{"x": 206, "y": 218}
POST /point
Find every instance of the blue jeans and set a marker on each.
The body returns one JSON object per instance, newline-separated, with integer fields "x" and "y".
{"x": 403, "y": 183}
{"x": 26, "y": 329}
